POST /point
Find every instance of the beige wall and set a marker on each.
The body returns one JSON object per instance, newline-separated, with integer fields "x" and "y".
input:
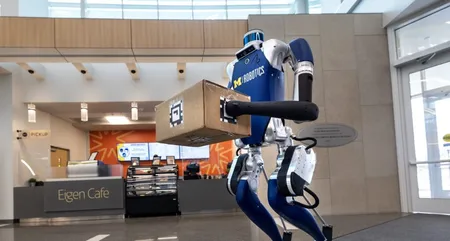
{"x": 351, "y": 86}
{"x": 64, "y": 135}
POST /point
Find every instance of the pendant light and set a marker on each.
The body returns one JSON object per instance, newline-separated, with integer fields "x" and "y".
{"x": 84, "y": 112}
{"x": 31, "y": 113}
{"x": 134, "y": 111}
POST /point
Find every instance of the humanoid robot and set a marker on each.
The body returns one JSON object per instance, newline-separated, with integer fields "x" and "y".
{"x": 258, "y": 72}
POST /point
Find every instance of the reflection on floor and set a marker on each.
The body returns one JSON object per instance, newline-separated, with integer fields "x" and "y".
{"x": 223, "y": 227}
{"x": 418, "y": 227}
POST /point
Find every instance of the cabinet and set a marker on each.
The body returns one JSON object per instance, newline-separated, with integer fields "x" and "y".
{"x": 152, "y": 191}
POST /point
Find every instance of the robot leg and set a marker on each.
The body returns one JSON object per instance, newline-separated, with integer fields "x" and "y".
{"x": 290, "y": 180}
{"x": 295, "y": 214}
{"x": 247, "y": 199}
{"x": 249, "y": 203}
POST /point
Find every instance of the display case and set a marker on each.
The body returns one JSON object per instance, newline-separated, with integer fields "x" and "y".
{"x": 152, "y": 190}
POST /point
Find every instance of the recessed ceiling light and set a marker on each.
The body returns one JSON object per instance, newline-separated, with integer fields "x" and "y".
{"x": 448, "y": 22}
{"x": 117, "y": 119}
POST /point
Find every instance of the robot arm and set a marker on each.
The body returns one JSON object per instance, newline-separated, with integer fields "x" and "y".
{"x": 302, "y": 63}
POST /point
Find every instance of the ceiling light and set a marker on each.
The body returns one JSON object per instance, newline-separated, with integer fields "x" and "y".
{"x": 134, "y": 111}
{"x": 31, "y": 113}
{"x": 117, "y": 119}
{"x": 448, "y": 22}
{"x": 168, "y": 238}
{"x": 84, "y": 112}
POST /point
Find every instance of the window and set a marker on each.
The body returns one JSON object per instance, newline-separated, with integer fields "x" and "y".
{"x": 103, "y": 13}
{"x": 207, "y": 9}
{"x": 314, "y": 6}
{"x": 242, "y": 13}
{"x": 140, "y": 9}
{"x": 107, "y": 2}
{"x": 424, "y": 33}
{"x": 248, "y": 3}
{"x": 210, "y": 14}
{"x": 64, "y": 12}
{"x": 103, "y": 9}
{"x": 64, "y": 1}
{"x": 241, "y": 9}
{"x": 175, "y": 9}
{"x": 175, "y": 14}
{"x": 214, "y": 3}
{"x": 175, "y": 3}
{"x": 430, "y": 102}
{"x": 141, "y": 2}
{"x": 277, "y": 7}
{"x": 140, "y": 13}
{"x": 64, "y": 8}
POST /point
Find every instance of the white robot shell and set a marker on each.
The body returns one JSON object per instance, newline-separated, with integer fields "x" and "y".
{"x": 275, "y": 51}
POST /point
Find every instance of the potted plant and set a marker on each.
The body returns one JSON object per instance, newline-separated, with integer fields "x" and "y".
{"x": 32, "y": 182}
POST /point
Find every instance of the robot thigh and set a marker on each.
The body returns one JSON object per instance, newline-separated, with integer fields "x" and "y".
{"x": 296, "y": 170}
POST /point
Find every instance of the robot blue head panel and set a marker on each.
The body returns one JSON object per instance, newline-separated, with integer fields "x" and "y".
{"x": 253, "y": 35}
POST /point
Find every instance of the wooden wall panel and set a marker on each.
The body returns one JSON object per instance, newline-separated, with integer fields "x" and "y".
{"x": 224, "y": 33}
{"x": 179, "y": 34}
{"x": 27, "y": 32}
{"x": 93, "y": 33}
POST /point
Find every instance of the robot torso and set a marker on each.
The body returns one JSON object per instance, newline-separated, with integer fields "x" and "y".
{"x": 260, "y": 76}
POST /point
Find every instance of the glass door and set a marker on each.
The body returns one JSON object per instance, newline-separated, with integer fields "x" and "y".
{"x": 426, "y": 94}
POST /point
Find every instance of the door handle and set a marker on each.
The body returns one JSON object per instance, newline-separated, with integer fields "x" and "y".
{"x": 428, "y": 162}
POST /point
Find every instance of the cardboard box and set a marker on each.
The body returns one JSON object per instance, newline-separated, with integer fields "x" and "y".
{"x": 196, "y": 117}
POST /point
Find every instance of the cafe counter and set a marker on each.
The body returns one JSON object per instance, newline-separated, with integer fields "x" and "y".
{"x": 205, "y": 196}
{"x": 71, "y": 197}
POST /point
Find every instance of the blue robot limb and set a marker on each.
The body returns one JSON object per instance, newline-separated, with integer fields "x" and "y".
{"x": 249, "y": 203}
{"x": 258, "y": 72}
{"x": 293, "y": 213}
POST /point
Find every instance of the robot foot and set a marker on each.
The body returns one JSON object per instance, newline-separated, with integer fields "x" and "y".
{"x": 287, "y": 236}
{"x": 249, "y": 203}
{"x": 327, "y": 230}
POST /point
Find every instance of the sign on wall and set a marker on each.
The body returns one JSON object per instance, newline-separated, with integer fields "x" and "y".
{"x": 63, "y": 196}
{"x": 329, "y": 135}
{"x": 38, "y": 133}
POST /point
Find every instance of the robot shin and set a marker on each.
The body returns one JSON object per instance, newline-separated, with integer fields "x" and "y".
{"x": 293, "y": 213}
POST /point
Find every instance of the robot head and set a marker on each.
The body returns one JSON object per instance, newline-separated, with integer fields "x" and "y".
{"x": 255, "y": 35}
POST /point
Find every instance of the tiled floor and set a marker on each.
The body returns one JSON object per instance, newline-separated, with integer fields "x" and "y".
{"x": 224, "y": 227}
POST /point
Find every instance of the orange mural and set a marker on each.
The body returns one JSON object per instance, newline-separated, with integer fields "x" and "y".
{"x": 105, "y": 142}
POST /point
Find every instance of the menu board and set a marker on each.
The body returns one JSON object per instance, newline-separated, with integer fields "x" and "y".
{"x": 187, "y": 152}
{"x": 164, "y": 150}
{"x": 125, "y": 151}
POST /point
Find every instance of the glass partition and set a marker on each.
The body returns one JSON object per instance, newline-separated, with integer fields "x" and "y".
{"x": 430, "y": 102}
{"x": 86, "y": 171}
{"x": 38, "y": 170}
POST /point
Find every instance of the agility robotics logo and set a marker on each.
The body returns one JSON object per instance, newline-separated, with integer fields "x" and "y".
{"x": 258, "y": 72}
